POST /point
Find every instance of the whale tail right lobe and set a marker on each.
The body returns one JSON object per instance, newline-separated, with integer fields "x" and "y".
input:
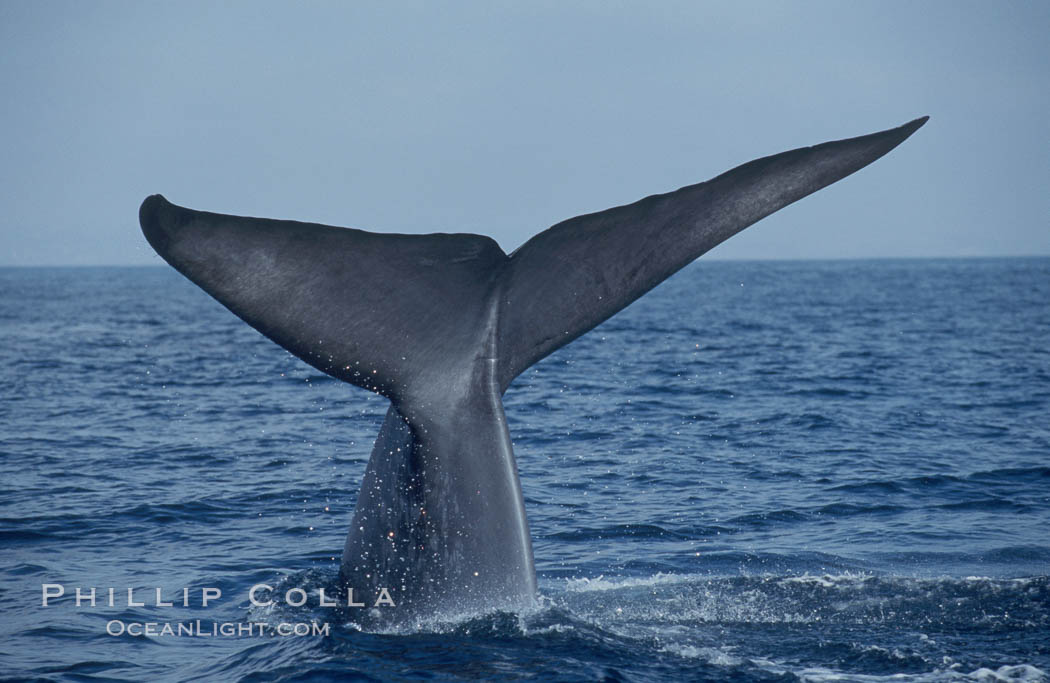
{"x": 578, "y": 273}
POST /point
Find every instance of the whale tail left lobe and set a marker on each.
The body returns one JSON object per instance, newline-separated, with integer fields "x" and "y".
{"x": 389, "y": 313}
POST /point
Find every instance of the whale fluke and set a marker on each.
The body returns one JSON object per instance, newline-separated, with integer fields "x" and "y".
{"x": 441, "y": 324}
{"x": 575, "y": 275}
{"x": 385, "y": 312}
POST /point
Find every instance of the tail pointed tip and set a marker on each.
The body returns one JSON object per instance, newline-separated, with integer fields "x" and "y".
{"x": 153, "y": 221}
{"x": 895, "y": 136}
{"x": 150, "y": 206}
{"x": 915, "y": 124}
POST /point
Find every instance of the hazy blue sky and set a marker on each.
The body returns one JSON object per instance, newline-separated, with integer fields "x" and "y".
{"x": 503, "y": 118}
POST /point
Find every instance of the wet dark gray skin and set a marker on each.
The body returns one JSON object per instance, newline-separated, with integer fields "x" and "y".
{"x": 441, "y": 324}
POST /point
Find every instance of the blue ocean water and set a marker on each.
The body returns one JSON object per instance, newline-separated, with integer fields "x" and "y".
{"x": 760, "y": 471}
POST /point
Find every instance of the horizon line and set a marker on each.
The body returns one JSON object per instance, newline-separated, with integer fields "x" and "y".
{"x": 722, "y": 259}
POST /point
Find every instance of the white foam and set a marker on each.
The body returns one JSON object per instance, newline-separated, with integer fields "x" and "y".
{"x": 1019, "y": 672}
{"x": 827, "y": 580}
{"x": 600, "y": 583}
{"x": 712, "y": 655}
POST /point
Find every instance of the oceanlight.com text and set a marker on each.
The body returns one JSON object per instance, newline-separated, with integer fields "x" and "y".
{"x": 199, "y": 629}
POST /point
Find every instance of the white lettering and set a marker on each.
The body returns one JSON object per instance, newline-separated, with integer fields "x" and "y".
{"x": 323, "y": 602}
{"x": 384, "y": 599}
{"x": 47, "y": 592}
{"x": 210, "y": 594}
{"x": 260, "y": 586}
{"x": 161, "y": 603}
{"x": 299, "y": 591}
{"x": 80, "y": 597}
{"x": 152, "y": 629}
{"x": 132, "y": 603}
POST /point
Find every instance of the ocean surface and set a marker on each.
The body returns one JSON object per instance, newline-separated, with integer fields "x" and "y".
{"x": 760, "y": 471}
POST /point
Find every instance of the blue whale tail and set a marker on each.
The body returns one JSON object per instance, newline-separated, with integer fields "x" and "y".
{"x": 441, "y": 325}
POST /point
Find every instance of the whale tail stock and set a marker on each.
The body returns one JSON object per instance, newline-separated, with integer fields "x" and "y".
{"x": 441, "y": 324}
